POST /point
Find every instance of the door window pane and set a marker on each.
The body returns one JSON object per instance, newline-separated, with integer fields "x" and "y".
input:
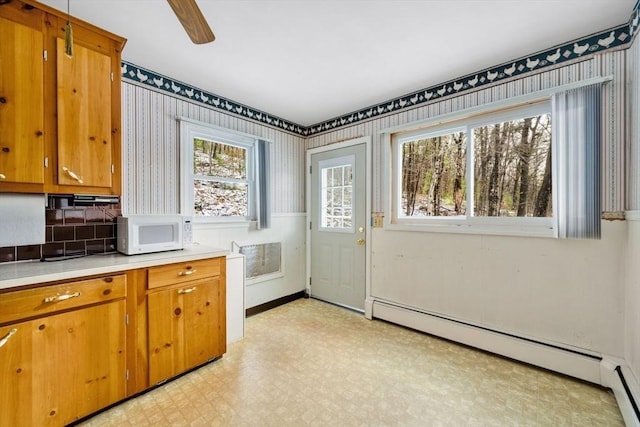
{"x": 336, "y": 197}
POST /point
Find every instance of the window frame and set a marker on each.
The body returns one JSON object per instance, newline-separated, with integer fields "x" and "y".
{"x": 463, "y": 121}
{"x": 191, "y": 130}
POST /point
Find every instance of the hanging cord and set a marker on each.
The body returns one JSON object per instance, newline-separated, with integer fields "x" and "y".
{"x": 68, "y": 35}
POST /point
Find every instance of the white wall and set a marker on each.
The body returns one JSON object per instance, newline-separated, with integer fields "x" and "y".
{"x": 632, "y": 298}
{"x": 565, "y": 292}
{"x": 632, "y": 285}
{"x": 151, "y": 180}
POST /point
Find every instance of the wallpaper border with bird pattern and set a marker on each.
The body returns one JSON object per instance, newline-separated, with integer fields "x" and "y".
{"x": 613, "y": 38}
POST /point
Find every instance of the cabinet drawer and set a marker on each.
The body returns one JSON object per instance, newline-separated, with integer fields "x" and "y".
{"x": 48, "y": 299}
{"x": 182, "y": 272}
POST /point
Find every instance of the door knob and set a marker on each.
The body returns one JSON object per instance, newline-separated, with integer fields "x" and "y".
{"x": 360, "y": 242}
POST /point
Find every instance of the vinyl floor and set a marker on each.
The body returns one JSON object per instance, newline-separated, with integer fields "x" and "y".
{"x": 309, "y": 363}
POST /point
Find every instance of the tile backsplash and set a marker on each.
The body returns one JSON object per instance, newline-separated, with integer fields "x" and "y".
{"x": 72, "y": 230}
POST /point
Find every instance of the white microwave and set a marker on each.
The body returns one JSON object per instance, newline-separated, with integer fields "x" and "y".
{"x": 143, "y": 234}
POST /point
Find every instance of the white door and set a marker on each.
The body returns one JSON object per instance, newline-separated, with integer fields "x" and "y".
{"x": 338, "y": 225}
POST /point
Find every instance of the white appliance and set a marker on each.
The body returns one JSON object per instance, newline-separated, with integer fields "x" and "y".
{"x": 22, "y": 219}
{"x": 142, "y": 234}
{"x": 235, "y": 297}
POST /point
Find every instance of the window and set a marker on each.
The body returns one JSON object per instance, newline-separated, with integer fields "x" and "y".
{"x": 220, "y": 179}
{"x": 488, "y": 171}
{"x": 336, "y": 213}
{"x": 223, "y": 175}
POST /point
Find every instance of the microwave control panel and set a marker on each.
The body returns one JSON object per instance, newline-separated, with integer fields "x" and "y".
{"x": 187, "y": 233}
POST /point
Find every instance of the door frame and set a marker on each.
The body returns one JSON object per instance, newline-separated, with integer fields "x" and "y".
{"x": 368, "y": 302}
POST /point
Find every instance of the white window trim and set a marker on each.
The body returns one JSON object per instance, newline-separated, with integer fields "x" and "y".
{"x": 191, "y": 129}
{"x": 468, "y": 224}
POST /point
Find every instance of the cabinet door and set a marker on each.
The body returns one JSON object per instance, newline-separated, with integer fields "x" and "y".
{"x": 84, "y": 117}
{"x": 80, "y": 366}
{"x": 15, "y": 374}
{"x": 185, "y": 327}
{"x": 21, "y": 96}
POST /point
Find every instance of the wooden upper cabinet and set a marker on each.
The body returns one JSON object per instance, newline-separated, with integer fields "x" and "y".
{"x": 59, "y": 116}
{"x": 84, "y": 91}
{"x": 21, "y": 98}
{"x": 84, "y": 117}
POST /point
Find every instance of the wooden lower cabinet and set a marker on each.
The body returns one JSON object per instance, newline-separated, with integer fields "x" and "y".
{"x": 16, "y": 372}
{"x": 69, "y": 349}
{"x": 186, "y": 327}
{"x": 62, "y": 367}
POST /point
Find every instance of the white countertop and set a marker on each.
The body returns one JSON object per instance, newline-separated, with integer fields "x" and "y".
{"x": 32, "y": 272}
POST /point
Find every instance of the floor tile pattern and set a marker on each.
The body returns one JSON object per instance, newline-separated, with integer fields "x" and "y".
{"x": 309, "y": 363}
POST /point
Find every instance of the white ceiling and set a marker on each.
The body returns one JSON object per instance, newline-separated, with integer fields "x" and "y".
{"x": 308, "y": 61}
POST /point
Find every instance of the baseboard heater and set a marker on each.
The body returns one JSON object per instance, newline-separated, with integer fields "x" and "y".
{"x": 628, "y": 397}
{"x": 574, "y": 362}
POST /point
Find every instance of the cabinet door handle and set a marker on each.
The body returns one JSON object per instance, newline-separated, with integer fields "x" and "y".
{"x": 11, "y": 333}
{"x": 72, "y": 174}
{"x": 2, "y": 176}
{"x": 59, "y": 298}
{"x": 187, "y": 290}
{"x": 186, "y": 272}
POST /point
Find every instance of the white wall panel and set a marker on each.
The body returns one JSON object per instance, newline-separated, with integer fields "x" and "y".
{"x": 286, "y": 228}
{"x": 632, "y": 298}
{"x": 561, "y": 291}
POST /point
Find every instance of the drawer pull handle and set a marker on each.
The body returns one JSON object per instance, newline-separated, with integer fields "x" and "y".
{"x": 11, "y": 333}
{"x": 59, "y": 298}
{"x": 72, "y": 174}
{"x": 3, "y": 176}
{"x": 187, "y": 291}
{"x": 187, "y": 272}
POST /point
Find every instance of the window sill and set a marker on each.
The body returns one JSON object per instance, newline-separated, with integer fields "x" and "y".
{"x": 210, "y": 223}
{"x": 263, "y": 278}
{"x": 524, "y": 230}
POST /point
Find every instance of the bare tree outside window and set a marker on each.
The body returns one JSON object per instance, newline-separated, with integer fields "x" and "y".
{"x": 433, "y": 176}
{"x": 512, "y": 168}
{"x": 510, "y": 171}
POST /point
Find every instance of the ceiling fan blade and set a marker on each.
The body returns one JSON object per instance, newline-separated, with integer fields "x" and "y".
{"x": 192, "y": 20}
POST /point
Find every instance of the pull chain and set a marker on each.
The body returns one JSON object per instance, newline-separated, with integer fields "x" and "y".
{"x": 68, "y": 35}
